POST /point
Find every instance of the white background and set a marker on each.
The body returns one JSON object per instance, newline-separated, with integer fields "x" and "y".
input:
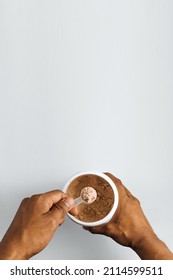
{"x": 87, "y": 85}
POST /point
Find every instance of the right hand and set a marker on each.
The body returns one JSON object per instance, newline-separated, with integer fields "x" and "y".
{"x": 129, "y": 223}
{"x": 129, "y": 227}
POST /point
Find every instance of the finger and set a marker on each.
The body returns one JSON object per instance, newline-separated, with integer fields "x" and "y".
{"x": 51, "y": 198}
{"x": 60, "y": 209}
{"x": 74, "y": 211}
{"x": 129, "y": 194}
{"x": 118, "y": 183}
{"x": 113, "y": 178}
{"x": 95, "y": 230}
{"x": 123, "y": 191}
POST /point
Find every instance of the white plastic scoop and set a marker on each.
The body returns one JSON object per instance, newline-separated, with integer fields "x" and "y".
{"x": 87, "y": 195}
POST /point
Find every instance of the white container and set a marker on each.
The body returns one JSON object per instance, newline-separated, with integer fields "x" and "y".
{"x": 107, "y": 218}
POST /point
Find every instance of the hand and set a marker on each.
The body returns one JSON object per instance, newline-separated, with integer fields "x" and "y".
{"x": 34, "y": 224}
{"x": 128, "y": 222}
{"x": 129, "y": 227}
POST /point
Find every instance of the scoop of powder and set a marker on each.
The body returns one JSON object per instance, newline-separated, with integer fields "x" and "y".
{"x": 88, "y": 194}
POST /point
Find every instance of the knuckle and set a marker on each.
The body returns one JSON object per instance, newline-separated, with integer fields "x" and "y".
{"x": 37, "y": 198}
{"x": 24, "y": 201}
{"x": 115, "y": 179}
{"x": 53, "y": 223}
{"x": 137, "y": 201}
{"x": 34, "y": 196}
{"x": 61, "y": 208}
{"x": 119, "y": 182}
{"x": 61, "y": 221}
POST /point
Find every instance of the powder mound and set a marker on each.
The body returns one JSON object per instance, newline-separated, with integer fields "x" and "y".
{"x": 88, "y": 194}
{"x": 103, "y": 204}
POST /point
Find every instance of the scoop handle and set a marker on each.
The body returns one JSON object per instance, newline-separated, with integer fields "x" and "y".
{"x": 77, "y": 201}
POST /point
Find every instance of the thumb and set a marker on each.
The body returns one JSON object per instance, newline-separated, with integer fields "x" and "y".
{"x": 61, "y": 208}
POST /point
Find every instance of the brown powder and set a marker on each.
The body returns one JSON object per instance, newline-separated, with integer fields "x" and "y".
{"x": 103, "y": 203}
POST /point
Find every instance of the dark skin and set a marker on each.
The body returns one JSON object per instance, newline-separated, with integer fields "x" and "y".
{"x": 129, "y": 227}
{"x": 34, "y": 225}
{"x": 39, "y": 216}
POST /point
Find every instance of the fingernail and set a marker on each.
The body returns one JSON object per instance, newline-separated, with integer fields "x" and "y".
{"x": 69, "y": 202}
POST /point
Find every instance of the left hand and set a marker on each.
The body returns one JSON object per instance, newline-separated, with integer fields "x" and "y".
{"x": 34, "y": 224}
